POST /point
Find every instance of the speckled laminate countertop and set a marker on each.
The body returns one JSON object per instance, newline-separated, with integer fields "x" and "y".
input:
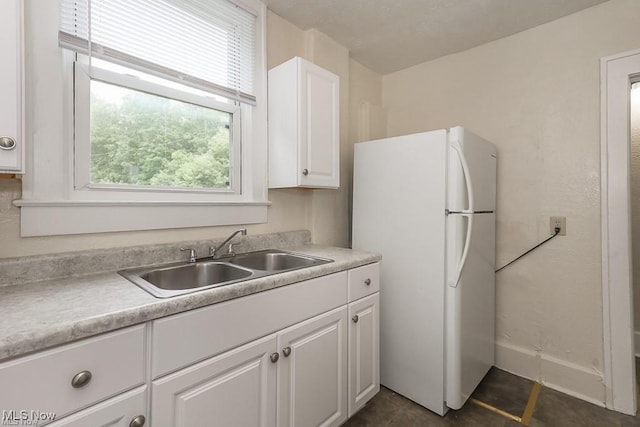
{"x": 38, "y": 315}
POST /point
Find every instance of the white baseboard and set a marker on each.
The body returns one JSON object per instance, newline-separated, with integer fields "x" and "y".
{"x": 566, "y": 377}
{"x": 636, "y": 337}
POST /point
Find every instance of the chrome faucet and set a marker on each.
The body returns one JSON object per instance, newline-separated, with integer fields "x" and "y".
{"x": 213, "y": 251}
{"x": 193, "y": 255}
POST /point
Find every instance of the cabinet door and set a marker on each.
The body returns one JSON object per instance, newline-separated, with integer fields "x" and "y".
{"x": 364, "y": 351}
{"x": 11, "y": 144}
{"x": 312, "y": 371}
{"x": 319, "y": 127}
{"x": 120, "y": 411}
{"x": 237, "y": 388}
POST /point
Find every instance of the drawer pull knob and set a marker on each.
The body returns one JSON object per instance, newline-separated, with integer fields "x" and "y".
{"x": 305, "y": 172}
{"x": 81, "y": 379}
{"x": 137, "y": 421}
{"x": 367, "y": 282}
{"x": 274, "y": 357}
{"x": 286, "y": 351}
{"x": 355, "y": 318}
{"x": 7, "y": 143}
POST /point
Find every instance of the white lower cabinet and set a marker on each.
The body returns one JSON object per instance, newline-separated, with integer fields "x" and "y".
{"x": 73, "y": 377}
{"x": 300, "y": 372}
{"x": 312, "y": 374}
{"x": 302, "y": 355}
{"x": 364, "y": 351}
{"x": 237, "y": 388}
{"x": 125, "y": 410}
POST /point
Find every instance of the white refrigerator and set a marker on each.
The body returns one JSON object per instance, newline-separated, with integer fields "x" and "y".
{"x": 426, "y": 202}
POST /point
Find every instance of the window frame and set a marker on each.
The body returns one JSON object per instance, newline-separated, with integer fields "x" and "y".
{"x": 83, "y": 74}
{"x": 51, "y": 203}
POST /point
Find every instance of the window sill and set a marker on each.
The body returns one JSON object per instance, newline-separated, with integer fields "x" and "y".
{"x": 49, "y": 218}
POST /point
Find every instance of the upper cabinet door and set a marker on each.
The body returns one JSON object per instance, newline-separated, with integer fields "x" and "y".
{"x": 11, "y": 87}
{"x": 319, "y": 130}
{"x": 304, "y": 126}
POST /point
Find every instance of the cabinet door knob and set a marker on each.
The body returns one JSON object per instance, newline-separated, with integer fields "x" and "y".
{"x": 305, "y": 172}
{"x": 367, "y": 282}
{"x": 7, "y": 143}
{"x": 137, "y": 421}
{"x": 274, "y": 357}
{"x": 355, "y": 318}
{"x": 81, "y": 379}
{"x": 286, "y": 351}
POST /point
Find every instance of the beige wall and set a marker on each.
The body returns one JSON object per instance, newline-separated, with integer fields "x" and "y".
{"x": 324, "y": 212}
{"x": 635, "y": 200}
{"x": 536, "y": 96}
{"x": 329, "y": 208}
{"x": 367, "y": 120}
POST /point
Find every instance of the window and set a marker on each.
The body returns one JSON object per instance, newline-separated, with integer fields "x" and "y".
{"x": 137, "y": 132}
{"x": 164, "y": 108}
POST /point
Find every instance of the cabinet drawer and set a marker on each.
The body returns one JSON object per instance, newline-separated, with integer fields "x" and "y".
{"x": 190, "y": 337}
{"x": 364, "y": 281}
{"x": 43, "y": 381}
{"x": 119, "y": 411}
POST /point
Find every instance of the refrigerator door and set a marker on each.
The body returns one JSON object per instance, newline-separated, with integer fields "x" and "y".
{"x": 398, "y": 210}
{"x": 480, "y": 157}
{"x": 470, "y": 318}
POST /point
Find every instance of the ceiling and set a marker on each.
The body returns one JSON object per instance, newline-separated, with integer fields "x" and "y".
{"x": 389, "y": 35}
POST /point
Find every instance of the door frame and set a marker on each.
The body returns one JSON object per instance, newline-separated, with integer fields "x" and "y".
{"x": 617, "y": 73}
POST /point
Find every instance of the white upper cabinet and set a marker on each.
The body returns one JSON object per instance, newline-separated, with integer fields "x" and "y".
{"x": 11, "y": 87}
{"x": 304, "y": 126}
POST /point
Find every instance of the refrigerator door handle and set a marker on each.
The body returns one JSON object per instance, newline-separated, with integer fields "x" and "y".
{"x": 468, "y": 213}
{"x": 465, "y": 251}
{"x": 466, "y": 173}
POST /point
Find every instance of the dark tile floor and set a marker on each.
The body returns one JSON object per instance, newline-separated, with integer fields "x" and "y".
{"x": 500, "y": 390}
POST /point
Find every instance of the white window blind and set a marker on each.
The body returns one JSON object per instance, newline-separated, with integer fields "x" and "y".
{"x": 207, "y": 44}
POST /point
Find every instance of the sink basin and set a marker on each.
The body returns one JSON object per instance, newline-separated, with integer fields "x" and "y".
{"x": 194, "y": 275}
{"x": 270, "y": 260}
{"x": 180, "y": 278}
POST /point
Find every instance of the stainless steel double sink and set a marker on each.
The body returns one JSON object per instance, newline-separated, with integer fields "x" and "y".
{"x": 179, "y": 278}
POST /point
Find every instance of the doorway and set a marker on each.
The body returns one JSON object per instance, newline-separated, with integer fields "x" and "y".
{"x": 634, "y": 140}
{"x": 617, "y": 75}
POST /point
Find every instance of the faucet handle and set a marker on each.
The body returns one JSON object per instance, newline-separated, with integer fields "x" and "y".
{"x": 192, "y": 254}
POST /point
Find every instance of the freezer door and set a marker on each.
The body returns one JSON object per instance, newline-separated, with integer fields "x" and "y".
{"x": 470, "y": 318}
{"x": 398, "y": 211}
{"x": 480, "y": 156}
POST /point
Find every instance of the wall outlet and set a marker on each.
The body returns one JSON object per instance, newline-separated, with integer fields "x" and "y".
{"x": 558, "y": 221}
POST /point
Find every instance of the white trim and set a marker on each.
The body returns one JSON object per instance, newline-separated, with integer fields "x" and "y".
{"x": 50, "y": 220}
{"x": 582, "y": 382}
{"x": 51, "y": 206}
{"x": 127, "y": 203}
{"x": 617, "y": 301}
{"x": 552, "y": 372}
